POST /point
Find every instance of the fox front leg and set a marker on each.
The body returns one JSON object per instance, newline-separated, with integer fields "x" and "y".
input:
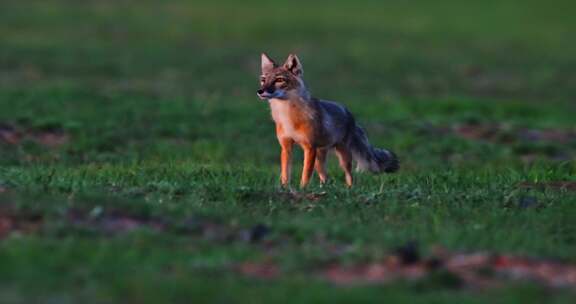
{"x": 285, "y": 160}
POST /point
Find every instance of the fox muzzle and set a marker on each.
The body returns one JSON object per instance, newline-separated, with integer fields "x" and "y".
{"x": 267, "y": 93}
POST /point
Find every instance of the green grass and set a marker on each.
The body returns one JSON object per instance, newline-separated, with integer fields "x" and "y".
{"x": 156, "y": 102}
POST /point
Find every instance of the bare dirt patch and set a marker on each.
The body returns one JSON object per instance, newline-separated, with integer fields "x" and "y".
{"x": 528, "y": 144}
{"x": 11, "y": 223}
{"x": 260, "y": 270}
{"x": 472, "y": 270}
{"x": 504, "y": 133}
{"x": 112, "y": 222}
{"x": 51, "y": 136}
{"x": 555, "y": 185}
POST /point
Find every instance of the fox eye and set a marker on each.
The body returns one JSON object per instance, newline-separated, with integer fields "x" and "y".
{"x": 280, "y": 80}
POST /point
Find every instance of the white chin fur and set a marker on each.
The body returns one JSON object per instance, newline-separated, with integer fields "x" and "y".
{"x": 262, "y": 97}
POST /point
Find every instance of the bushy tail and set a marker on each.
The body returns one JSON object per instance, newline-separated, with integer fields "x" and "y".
{"x": 370, "y": 158}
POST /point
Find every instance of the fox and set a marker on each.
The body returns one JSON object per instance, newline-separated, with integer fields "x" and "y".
{"x": 317, "y": 126}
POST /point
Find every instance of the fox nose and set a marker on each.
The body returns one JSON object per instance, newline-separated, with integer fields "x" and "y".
{"x": 260, "y": 91}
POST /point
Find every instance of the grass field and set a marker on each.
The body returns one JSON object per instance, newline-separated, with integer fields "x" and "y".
{"x": 138, "y": 166}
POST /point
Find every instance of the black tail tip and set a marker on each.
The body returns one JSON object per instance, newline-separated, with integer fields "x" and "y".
{"x": 392, "y": 166}
{"x": 389, "y": 161}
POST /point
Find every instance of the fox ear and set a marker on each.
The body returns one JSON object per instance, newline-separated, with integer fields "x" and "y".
{"x": 267, "y": 63}
{"x": 293, "y": 65}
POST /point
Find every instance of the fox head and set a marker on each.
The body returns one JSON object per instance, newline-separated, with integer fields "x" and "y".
{"x": 281, "y": 82}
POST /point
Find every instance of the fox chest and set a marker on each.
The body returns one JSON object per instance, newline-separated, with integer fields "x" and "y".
{"x": 292, "y": 120}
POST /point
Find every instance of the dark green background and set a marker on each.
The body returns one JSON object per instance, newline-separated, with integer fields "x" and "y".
{"x": 157, "y": 102}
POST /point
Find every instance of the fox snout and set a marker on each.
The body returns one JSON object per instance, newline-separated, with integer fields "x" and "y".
{"x": 270, "y": 92}
{"x": 266, "y": 93}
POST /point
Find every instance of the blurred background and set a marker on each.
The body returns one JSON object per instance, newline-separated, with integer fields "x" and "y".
{"x": 124, "y": 80}
{"x": 137, "y": 164}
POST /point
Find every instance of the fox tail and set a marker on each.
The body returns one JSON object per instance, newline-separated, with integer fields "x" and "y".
{"x": 368, "y": 157}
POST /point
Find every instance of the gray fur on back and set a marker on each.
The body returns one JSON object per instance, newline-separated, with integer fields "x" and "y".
{"x": 337, "y": 121}
{"x": 341, "y": 129}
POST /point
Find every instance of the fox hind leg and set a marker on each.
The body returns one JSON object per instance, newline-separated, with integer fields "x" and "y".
{"x": 308, "y": 168}
{"x": 345, "y": 160}
{"x": 320, "y": 165}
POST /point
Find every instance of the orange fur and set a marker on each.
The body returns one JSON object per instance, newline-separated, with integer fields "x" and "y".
{"x": 294, "y": 124}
